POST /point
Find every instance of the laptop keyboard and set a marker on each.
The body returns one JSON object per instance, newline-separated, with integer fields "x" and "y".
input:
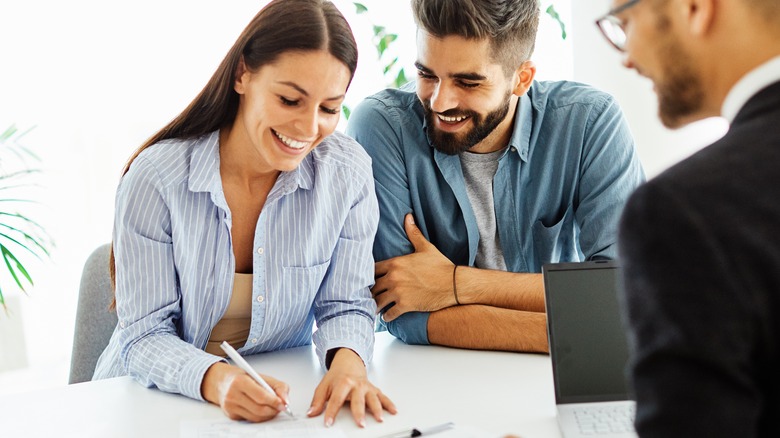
{"x": 605, "y": 420}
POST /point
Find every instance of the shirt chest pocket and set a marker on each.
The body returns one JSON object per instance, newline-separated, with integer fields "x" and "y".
{"x": 301, "y": 283}
{"x": 555, "y": 242}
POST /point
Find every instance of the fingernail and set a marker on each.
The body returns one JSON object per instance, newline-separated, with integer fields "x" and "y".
{"x": 311, "y": 409}
{"x": 328, "y": 422}
{"x": 362, "y": 423}
{"x": 381, "y": 419}
{"x": 280, "y": 408}
{"x": 411, "y": 219}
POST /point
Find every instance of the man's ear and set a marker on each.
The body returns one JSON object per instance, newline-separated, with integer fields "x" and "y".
{"x": 523, "y": 77}
{"x": 699, "y": 15}
{"x": 241, "y": 77}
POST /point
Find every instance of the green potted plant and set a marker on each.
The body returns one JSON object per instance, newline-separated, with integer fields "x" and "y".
{"x": 19, "y": 235}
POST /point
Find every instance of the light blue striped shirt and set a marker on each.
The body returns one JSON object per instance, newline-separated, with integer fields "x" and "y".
{"x": 175, "y": 264}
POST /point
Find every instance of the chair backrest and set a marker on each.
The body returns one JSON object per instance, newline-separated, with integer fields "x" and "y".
{"x": 94, "y": 322}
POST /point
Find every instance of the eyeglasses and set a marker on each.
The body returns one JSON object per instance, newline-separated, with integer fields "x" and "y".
{"x": 612, "y": 26}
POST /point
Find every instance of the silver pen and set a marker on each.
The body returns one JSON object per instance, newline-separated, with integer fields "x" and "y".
{"x": 244, "y": 365}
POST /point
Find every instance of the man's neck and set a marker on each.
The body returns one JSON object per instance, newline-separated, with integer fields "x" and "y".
{"x": 741, "y": 43}
{"x": 499, "y": 138}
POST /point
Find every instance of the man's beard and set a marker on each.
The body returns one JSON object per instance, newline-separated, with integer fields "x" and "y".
{"x": 453, "y": 144}
{"x": 681, "y": 93}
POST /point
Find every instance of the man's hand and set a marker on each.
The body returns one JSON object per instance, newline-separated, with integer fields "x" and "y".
{"x": 347, "y": 380}
{"x": 416, "y": 282}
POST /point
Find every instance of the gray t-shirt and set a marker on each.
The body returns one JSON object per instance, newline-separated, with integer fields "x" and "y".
{"x": 478, "y": 171}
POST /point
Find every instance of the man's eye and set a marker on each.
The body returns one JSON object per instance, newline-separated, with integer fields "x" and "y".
{"x": 469, "y": 84}
{"x": 423, "y": 75}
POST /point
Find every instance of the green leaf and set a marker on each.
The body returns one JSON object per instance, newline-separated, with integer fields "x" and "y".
{"x": 381, "y": 46}
{"x": 554, "y": 14}
{"x": 345, "y": 109}
{"x": 8, "y": 257}
{"x": 23, "y": 246}
{"x": 389, "y": 65}
{"x": 400, "y": 79}
{"x": 379, "y": 31}
{"x": 360, "y": 8}
{"x": 8, "y": 133}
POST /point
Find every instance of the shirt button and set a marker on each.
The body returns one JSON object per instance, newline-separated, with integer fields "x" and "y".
{"x": 122, "y": 324}
{"x": 513, "y": 149}
{"x": 254, "y": 340}
{"x": 260, "y": 299}
{"x": 260, "y": 251}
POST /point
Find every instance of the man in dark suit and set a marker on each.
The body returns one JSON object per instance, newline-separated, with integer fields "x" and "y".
{"x": 700, "y": 243}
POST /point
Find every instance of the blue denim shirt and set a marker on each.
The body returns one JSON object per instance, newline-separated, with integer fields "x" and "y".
{"x": 559, "y": 189}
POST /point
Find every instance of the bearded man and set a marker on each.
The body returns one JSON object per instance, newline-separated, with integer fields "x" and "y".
{"x": 483, "y": 175}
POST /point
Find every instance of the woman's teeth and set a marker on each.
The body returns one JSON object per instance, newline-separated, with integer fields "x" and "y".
{"x": 295, "y": 144}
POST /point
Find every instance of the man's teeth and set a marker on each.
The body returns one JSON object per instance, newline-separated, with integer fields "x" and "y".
{"x": 451, "y": 119}
{"x": 295, "y": 144}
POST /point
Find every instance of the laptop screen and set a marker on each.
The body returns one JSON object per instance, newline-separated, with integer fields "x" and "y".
{"x": 587, "y": 342}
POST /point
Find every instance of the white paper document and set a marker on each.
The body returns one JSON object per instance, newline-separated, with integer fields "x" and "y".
{"x": 279, "y": 428}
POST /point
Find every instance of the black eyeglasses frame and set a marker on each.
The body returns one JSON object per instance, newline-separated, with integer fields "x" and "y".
{"x": 611, "y": 17}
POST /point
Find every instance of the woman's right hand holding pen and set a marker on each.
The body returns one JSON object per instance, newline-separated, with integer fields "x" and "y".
{"x": 240, "y": 397}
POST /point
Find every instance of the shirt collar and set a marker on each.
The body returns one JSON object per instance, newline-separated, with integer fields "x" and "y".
{"x": 204, "y": 169}
{"x": 750, "y": 84}
{"x": 204, "y": 164}
{"x": 521, "y": 130}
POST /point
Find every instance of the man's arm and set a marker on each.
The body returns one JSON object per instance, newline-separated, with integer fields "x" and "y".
{"x": 609, "y": 174}
{"x": 426, "y": 281}
{"x": 489, "y": 328}
{"x": 494, "y": 310}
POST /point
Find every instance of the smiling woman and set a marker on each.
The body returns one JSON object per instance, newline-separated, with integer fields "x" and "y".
{"x": 213, "y": 236}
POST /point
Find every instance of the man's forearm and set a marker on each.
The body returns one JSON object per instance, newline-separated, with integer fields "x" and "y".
{"x": 489, "y": 328}
{"x": 508, "y": 290}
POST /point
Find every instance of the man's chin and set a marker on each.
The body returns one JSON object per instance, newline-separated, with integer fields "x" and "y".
{"x": 448, "y": 144}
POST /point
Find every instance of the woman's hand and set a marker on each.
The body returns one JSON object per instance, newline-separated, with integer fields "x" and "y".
{"x": 240, "y": 397}
{"x": 347, "y": 380}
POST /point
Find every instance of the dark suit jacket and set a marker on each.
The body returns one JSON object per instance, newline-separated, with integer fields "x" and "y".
{"x": 701, "y": 249}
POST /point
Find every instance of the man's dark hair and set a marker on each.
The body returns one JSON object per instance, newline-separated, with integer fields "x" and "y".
{"x": 510, "y": 25}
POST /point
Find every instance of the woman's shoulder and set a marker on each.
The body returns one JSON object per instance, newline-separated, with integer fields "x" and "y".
{"x": 341, "y": 150}
{"x": 172, "y": 159}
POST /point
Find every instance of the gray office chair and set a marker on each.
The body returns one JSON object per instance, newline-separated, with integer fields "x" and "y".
{"x": 94, "y": 322}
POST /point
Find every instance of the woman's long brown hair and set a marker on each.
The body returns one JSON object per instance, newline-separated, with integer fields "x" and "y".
{"x": 281, "y": 26}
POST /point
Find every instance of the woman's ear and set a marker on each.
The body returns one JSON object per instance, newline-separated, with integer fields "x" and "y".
{"x": 523, "y": 77}
{"x": 241, "y": 77}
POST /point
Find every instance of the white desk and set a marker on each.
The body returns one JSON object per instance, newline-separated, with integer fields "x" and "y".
{"x": 497, "y": 392}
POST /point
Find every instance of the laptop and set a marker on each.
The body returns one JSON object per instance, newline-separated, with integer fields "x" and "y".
{"x": 588, "y": 349}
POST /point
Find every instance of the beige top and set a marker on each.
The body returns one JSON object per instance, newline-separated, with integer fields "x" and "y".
{"x": 234, "y": 325}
